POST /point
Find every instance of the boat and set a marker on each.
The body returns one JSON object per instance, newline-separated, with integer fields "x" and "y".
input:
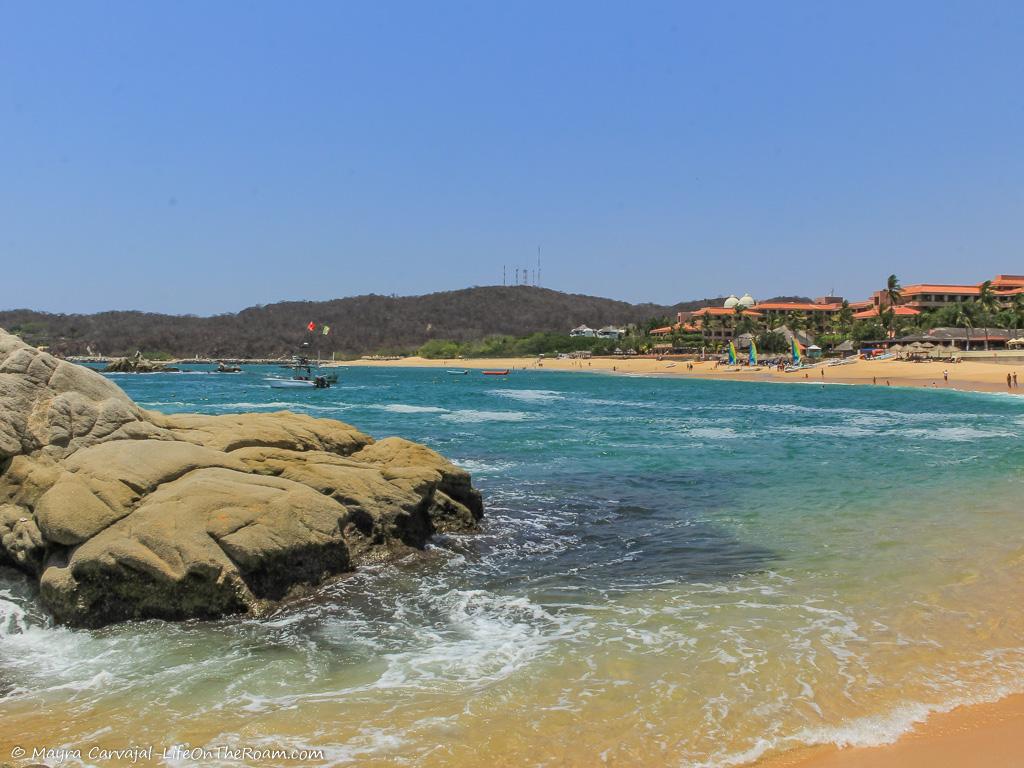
{"x": 291, "y": 383}
{"x": 307, "y": 381}
{"x": 457, "y": 373}
{"x": 502, "y": 372}
{"x": 221, "y": 368}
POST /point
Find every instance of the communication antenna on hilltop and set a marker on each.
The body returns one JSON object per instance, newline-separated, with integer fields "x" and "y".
{"x": 538, "y": 266}
{"x": 503, "y": 274}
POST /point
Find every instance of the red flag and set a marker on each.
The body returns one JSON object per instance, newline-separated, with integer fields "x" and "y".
{"x": 311, "y": 327}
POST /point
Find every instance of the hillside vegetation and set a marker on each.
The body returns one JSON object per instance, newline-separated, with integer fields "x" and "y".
{"x": 359, "y": 325}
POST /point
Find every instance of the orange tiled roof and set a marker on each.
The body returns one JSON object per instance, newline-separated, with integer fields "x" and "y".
{"x": 857, "y": 305}
{"x": 722, "y": 311}
{"x": 1008, "y": 281}
{"x": 667, "y": 329}
{"x": 913, "y": 290}
{"x": 898, "y": 311}
{"x": 797, "y": 306}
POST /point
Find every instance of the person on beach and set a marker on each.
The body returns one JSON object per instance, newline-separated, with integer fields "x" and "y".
{"x": 1009, "y": 381}
{"x": 874, "y": 379}
{"x": 945, "y": 376}
{"x": 1015, "y": 380}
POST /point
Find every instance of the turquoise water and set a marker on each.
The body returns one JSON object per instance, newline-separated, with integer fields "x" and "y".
{"x": 670, "y": 572}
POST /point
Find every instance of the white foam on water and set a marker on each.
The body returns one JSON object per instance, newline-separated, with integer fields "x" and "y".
{"x": 488, "y": 638}
{"x": 476, "y": 466}
{"x": 828, "y": 430}
{"x": 279, "y": 405}
{"x": 958, "y": 434}
{"x": 47, "y": 657}
{"x": 473, "y": 416}
{"x": 713, "y": 433}
{"x": 529, "y": 395}
{"x": 406, "y": 408}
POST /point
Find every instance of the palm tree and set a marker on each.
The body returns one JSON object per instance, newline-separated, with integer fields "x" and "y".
{"x": 709, "y": 324}
{"x": 893, "y": 290}
{"x": 963, "y": 320}
{"x": 987, "y": 298}
{"x": 893, "y": 294}
{"x": 1017, "y": 307}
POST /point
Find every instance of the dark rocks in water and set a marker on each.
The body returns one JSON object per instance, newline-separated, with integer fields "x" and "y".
{"x": 122, "y": 513}
{"x": 137, "y": 365}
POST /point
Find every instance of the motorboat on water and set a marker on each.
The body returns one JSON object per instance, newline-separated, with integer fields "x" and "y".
{"x": 292, "y": 383}
{"x": 502, "y": 372}
{"x": 222, "y": 368}
{"x": 306, "y": 381}
{"x": 457, "y": 373}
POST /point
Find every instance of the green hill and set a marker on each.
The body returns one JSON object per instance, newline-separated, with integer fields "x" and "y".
{"x": 359, "y": 324}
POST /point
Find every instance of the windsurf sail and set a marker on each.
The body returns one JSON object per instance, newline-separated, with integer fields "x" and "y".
{"x": 753, "y": 354}
{"x": 732, "y": 353}
{"x": 796, "y": 352}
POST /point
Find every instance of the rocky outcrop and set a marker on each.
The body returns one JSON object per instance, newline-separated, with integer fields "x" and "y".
{"x": 122, "y": 513}
{"x": 136, "y": 365}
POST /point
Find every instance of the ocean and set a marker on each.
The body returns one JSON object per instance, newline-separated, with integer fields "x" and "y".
{"x": 670, "y": 572}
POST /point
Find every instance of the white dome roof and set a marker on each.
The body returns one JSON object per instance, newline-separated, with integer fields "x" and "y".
{"x": 747, "y": 300}
{"x": 731, "y": 302}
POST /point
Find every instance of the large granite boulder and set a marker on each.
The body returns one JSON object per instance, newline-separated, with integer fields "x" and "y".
{"x": 122, "y": 513}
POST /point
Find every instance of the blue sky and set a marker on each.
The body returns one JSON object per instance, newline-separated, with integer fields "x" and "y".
{"x": 203, "y": 157}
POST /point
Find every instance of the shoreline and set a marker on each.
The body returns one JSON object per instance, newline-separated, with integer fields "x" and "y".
{"x": 968, "y": 376}
{"x": 989, "y": 734}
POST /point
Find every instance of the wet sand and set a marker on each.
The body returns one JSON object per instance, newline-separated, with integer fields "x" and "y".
{"x": 990, "y": 735}
{"x": 968, "y": 375}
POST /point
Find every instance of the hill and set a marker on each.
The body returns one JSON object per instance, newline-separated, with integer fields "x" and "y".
{"x": 359, "y": 324}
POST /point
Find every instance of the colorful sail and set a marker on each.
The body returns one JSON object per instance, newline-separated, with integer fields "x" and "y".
{"x": 796, "y": 352}
{"x": 732, "y": 353}
{"x": 753, "y": 354}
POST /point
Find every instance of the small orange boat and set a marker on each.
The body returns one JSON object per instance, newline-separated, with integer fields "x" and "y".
{"x": 502, "y": 372}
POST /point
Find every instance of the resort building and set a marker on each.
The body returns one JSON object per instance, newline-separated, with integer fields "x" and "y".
{"x": 817, "y": 313}
{"x": 610, "y": 332}
{"x": 720, "y": 324}
{"x": 583, "y": 331}
{"x": 934, "y": 295}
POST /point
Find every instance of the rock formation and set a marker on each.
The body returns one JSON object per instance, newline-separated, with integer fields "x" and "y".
{"x": 122, "y": 513}
{"x": 136, "y": 365}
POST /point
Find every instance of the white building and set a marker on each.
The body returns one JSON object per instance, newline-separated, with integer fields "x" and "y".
{"x": 611, "y": 332}
{"x": 583, "y": 330}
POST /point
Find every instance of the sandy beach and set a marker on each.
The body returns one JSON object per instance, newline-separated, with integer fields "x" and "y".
{"x": 968, "y": 375}
{"x": 990, "y": 735}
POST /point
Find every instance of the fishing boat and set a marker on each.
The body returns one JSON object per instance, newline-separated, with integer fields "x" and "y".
{"x": 291, "y": 383}
{"x": 222, "y": 368}
{"x": 307, "y": 381}
{"x": 502, "y": 372}
{"x": 456, "y": 373}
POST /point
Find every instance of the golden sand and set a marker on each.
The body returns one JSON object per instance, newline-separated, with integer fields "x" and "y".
{"x": 968, "y": 375}
{"x": 989, "y": 735}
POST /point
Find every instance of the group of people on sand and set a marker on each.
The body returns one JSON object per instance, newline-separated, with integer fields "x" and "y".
{"x": 1011, "y": 381}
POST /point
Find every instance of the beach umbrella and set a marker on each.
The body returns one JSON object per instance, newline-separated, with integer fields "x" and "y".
{"x": 928, "y": 345}
{"x": 896, "y": 348}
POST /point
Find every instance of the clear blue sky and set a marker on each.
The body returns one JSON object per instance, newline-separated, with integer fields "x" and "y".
{"x": 206, "y": 156}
